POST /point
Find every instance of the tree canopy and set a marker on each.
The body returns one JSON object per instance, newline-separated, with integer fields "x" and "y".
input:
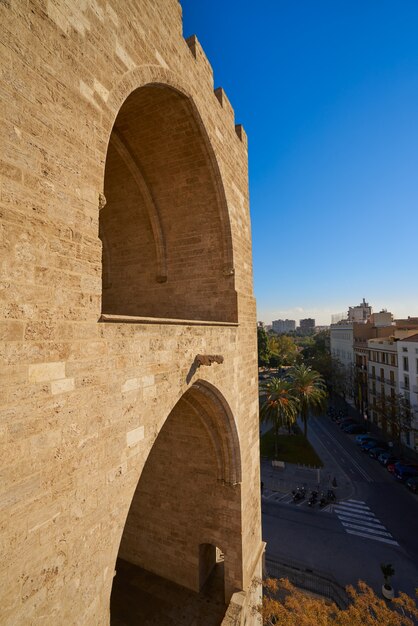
{"x": 279, "y": 407}
{"x": 263, "y": 347}
{"x": 309, "y": 388}
{"x": 296, "y": 608}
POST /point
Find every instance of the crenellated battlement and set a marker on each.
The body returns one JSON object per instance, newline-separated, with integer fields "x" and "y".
{"x": 201, "y": 58}
{"x": 242, "y": 135}
{"x": 224, "y": 102}
{"x": 207, "y": 70}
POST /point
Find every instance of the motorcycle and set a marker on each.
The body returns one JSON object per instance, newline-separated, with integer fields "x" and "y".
{"x": 298, "y": 494}
{"x": 323, "y": 501}
{"x": 313, "y": 498}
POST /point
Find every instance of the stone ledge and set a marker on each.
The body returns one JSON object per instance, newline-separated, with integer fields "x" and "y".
{"x": 133, "y": 319}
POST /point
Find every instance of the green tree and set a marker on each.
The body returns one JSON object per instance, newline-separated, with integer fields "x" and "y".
{"x": 283, "y": 350}
{"x": 279, "y": 406}
{"x": 263, "y": 347}
{"x": 309, "y": 388}
{"x": 396, "y": 412}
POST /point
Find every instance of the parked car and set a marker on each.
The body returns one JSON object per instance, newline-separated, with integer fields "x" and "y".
{"x": 403, "y": 472}
{"x": 353, "y": 429}
{"x": 363, "y": 437}
{"x": 412, "y": 484}
{"x": 346, "y": 422}
{"x": 392, "y": 466}
{"x": 387, "y": 457}
{"x": 368, "y": 441}
{"x": 375, "y": 452}
{"x": 366, "y": 446}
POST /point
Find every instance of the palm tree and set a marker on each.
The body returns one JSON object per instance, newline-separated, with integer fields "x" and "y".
{"x": 310, "y": 390}
{"x": 280, "y": 406}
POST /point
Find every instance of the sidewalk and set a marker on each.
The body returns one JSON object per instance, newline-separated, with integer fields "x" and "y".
{"x": 283, "y": 480}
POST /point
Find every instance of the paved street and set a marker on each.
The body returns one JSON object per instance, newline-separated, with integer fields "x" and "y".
{"x": 374, "y": 520}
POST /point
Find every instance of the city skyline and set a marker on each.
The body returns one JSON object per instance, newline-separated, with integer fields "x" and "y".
{"x": 328, "y": 97}
{"x": 323, "y": 317}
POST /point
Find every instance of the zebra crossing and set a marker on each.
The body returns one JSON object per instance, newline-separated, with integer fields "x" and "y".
{"x": 357, "y": 519}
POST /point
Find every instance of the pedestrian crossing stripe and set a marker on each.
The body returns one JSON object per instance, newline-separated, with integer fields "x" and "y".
{"x": 382, "y": 539}
{"x": 357, "y": 507}
{"x": 374, "y": 531}
{"x": 345, "y": 511}
{"x": 357, "y": 519}
{"x": 375, "y": 524}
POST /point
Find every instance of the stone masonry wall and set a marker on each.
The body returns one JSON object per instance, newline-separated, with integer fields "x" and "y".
{"x": 82, "y": 401}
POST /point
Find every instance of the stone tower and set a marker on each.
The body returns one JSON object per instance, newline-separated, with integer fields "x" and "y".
{"x": 129, "y": 411}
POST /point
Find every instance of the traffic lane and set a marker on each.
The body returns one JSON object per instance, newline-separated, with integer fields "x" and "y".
{"x": 391, "y": 501}
{"x": 369, "y": 469}
{"x": 347, "y": 457}
{"x": 396, "y": 508}
{"x": 319, "y": 541}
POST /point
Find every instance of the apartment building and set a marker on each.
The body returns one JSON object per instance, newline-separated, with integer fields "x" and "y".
{"x": 359, "y": 313}
{"x": 372, "y": 329}
{"x": 408, "y": 382}
{"x": 382, "y": 370}
{"x": 283, "y": 326}
{"x": 307, "y": 326}
{"x": 341, "y": 342}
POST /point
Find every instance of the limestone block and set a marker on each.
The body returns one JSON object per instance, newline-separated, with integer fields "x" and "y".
{"x": 62, "y": 386}
{"x": 134, "y": 436}
{"x": 130, "y": 385}
{"x": 41, "y": 372}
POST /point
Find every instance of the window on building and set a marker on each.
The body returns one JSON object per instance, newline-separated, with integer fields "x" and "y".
{"x": 405, "y": 364}
{"x": 406, "y": 382}
{"x": 393, "y": 359}
{"x": 392, "y": 377}
{"x": 382, "y": 374}
{"x": 404, "y": 349}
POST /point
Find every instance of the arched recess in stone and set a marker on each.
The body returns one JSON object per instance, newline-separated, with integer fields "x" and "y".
{"x": 166, "y": 221}
{"x": 187, "y": 497}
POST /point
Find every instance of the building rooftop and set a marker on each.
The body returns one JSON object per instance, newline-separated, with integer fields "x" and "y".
{"x": 411, "y": 338}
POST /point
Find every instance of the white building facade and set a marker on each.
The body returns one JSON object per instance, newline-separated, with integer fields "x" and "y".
{"x": 342, "y": 349}
{"x": 359, "y": 313}
{"x": 408, "y": 382}
{"x": 283, "y": 326}
{"x": 341, "y": 342}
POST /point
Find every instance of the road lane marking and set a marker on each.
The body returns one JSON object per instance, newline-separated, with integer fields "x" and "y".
{"x": 355, "y": 532}
{"x": 345, "y": 511}
{"x": 354, "y": 509}
{"x": 355, "y": 505}
{"x": 357, "y": 519}
{"x": 363, "y": 473}
{"x": 368, "y": 530}
{"x": 347, "y": 518}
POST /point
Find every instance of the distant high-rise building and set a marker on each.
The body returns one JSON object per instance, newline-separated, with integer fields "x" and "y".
{"x": 360, "y": 313}
{"x": 284, "y": 326}
{"x": 307, "y": 325}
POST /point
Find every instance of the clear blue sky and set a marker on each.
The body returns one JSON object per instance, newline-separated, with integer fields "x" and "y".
{"x": 327, "y": 91}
